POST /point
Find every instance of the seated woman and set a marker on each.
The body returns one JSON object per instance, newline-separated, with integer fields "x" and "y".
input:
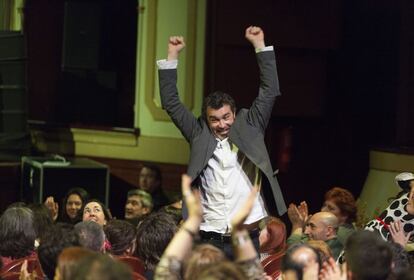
{"x": 398, "y": 218}
{"x": 272, "y": 237}
{"x": 17, "y": 234}
{"x": 342, "y": 203}
{"x": 73, "y": 202}
{"x": 122, "y": 237}
{"x": 96, "y": 211}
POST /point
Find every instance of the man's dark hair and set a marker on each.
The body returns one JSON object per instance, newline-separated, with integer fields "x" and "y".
{"x": 91, "y": 235}
{"x": 368, "y": 256}
{"x": 153, "y": 235}
{"x": 216, "y": 100}
{"x": 400, "y": 258}
{"x": 121, "y": 234}
{"x": 57, "y": 238}
{"x": 17, "y": 232}
{"x": 101, "y": 267}
{"x": 290, "y": 263}
{"x": 83, "y": 195}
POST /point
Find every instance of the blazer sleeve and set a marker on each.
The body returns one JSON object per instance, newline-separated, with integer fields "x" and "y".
{"x": 261, "y": 109}
{"x": 182, "y": 117}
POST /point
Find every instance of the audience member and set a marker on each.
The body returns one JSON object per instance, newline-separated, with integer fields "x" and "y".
{"x": 96, "y": 211}
{"x": 153, "y": 235}
{"x": 17, "y": 234}
{"x": 121, "y": 236}
{"x": 400, "y": 210}
{"x": 42, "y": 219}
{"x": 297, "y": 258}
{"x": 73, "y": 202}
{"x": 101, "y": 267}
{"x": 367, "y": 257}
{"x": 272, "y": 237}
{"x": 68, "y": 260}
{"x": 200, "y": 257}
{"x": 91, "y": 235}
{"x": 138, "y": 204}
{"x": 321, "y": 226}
{"x": 341, "y": 203}
{"x": 150, "y": 180}
{"x": 57, "y": 238}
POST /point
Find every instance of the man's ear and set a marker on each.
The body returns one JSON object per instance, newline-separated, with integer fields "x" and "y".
{"x": 330, "y": 231}
{"x": 145, "y": 210}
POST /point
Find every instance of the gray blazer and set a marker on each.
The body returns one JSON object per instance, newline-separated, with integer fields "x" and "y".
{"x": 247, "y": 131}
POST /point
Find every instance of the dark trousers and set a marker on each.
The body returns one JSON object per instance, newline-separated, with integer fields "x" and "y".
{"x": 224, "y": 243}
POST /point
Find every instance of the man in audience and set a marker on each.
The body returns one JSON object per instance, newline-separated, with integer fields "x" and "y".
{"x": 56, "y": 238}
{"x": 138, "y": 204}
{"x": 297, "y": 258}
{"x": 321, "y": 226}
{"x": 367, "y": 256}
{"x": 150, "y": 180}
{"x": 91, "y": 235}
{"x": 153, "y": 235}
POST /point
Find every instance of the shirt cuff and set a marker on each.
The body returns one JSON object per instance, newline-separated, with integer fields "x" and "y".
{"x": 167, "y": 64}
{"x": 265, "y": 49}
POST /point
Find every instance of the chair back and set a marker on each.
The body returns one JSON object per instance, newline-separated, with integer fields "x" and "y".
{"x": 271, "y": 265}
{"x": 33, "y": 264}
{"x": 133, "y": 262}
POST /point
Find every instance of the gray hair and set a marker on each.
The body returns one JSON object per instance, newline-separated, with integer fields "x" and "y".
{"x": 146, "y": 198}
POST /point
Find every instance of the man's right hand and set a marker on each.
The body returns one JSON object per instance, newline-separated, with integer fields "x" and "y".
{"x": 175, "y": 45}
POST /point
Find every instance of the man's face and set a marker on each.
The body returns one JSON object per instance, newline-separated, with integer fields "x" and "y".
{"x": 316, "y": 230}
{"x": 220, "y": 120}
{"x": 148, "y": 180}
{"x": 134, "y": 207}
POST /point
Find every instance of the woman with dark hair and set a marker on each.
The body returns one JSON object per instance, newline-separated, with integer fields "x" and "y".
{"x": 122, "y": 237}
{"x": 17, "y": 234}
{"x": 94, "y": 210}
{"x": 73, "y": 202}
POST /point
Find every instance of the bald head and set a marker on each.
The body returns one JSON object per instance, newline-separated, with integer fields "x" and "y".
{"x": 297, "y": 257}
{"x": 322, "y": 226}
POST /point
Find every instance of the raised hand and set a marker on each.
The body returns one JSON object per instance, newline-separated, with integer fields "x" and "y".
{"x": 175, "y": 45}
{"x": 52, "y": 206}
{"x": 398, "y": 234}
{"x": 255, "y": 36}
{"x": 245, "y": 209}
{"x": 303, "y": 210}
{"x": 332, "y": 271}
{"x": 191, "y": 198}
